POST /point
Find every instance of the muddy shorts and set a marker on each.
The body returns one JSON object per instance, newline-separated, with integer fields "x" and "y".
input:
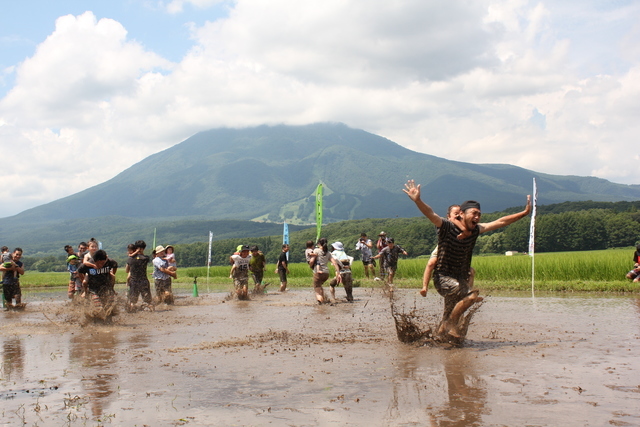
{"x": 241, "y": 282}
{"x": 368, "y": 262}
{"x": 447, "y": 286}
{"x": 162, "y": 285}
{"x": 139, "y": 287}
{"x": 257, "y": 275}
{"x": 391, "y": 270}
{"x": 11, "y": 290}
{"x": 319, "y": 279}
{"x": 283, "y": 275}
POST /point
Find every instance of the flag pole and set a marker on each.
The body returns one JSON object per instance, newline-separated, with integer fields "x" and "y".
{"x": 318, "y": 211}
{"x": 532, "y": 234}
{"x": 285, "y": 236}
{"x": 209, "y": 258}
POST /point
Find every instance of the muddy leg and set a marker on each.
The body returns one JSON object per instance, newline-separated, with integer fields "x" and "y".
{"x": 463, "y": 305}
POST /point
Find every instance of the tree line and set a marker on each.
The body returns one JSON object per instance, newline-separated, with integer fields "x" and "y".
{"x": 557, "y": 229}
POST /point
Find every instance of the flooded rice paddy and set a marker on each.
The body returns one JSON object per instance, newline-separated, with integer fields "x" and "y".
{"x": 280, "y": 359}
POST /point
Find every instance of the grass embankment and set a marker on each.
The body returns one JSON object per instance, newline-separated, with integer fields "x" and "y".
{"x": 592, "y": 271}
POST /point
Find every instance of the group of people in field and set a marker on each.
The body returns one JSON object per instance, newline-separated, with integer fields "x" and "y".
{"x": 92, "y": 274}
{"x": 449, "y": 265}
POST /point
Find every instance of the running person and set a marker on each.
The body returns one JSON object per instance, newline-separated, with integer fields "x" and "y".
{"x": 319, "y": 261}
{"x": 456, "y": 241}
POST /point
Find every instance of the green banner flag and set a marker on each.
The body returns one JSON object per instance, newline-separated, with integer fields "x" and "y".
{"x": 318, "y": 210}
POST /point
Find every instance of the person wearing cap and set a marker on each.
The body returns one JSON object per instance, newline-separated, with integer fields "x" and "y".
{"x": 344, "y": 262}
{"x": 162, "y": 276}
{"x": 240, "y": 271}
{"x": 75, "y": 284}
{"x": 389, "y": 257}
{"x": 380, "y": 245}
{"x": 282, "y": 267}
{"x": 257, "y": 266}
{"x": 456, "y": 241}
{"x": 364, "y": 245}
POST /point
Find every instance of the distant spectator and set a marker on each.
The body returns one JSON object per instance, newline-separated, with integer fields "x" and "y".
{"x": 282, "y": 267}
{"x": 390, "y": 255}
{"x": 380, "y": 245}
{"x": 364, "y": 245}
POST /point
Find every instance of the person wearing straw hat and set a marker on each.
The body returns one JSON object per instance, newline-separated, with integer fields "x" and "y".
{"x": 345, "y": 262}
{"x": 162, "y": 276}
{"x": 456, "y": 241}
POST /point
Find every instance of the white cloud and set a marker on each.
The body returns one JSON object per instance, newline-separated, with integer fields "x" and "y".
{"x": 459, "y": 80}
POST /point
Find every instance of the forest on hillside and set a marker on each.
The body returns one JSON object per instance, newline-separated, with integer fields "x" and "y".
{"x": 558, "y": 228}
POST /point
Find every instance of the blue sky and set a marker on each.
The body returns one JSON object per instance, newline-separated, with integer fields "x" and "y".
{"x": 552, "y": 87}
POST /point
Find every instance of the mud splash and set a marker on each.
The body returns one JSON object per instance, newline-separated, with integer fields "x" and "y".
{"x": 415, "y": 326}
{"x": 281, "y": 358}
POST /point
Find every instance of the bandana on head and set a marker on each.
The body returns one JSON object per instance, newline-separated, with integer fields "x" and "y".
{"x": 469, "y": 204}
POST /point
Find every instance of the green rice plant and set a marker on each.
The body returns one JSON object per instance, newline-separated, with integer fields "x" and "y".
{"x": 597, "y": 271}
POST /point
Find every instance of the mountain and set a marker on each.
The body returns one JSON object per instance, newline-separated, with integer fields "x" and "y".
{"x": 270, "y": 173}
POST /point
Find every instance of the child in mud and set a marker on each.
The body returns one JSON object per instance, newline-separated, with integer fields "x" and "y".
{"x": 171, "y": 259}
{"x": 7, "y": 258}
{"x": 75, "y": 284}
{"x": 389, "y": 255}
{"x": 319, "y": 262}
{"x": 11, "y": 272}
{"x": 162, "y": 276}
{"x": 456, "y": 241}
{"x": 137, "y": 279}
{"x": 98, "y": 279}
{"x": 309, "y": 250}
{"x": 345, "y": 262}
{"x": 240, "y": 272}
{"x": 282, "y": 267}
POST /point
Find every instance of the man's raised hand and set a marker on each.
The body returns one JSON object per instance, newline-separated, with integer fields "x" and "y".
{"x": 412, "y": 190}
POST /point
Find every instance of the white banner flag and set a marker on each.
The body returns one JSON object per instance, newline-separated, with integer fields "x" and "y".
{"x": 209, "y": 258}
{"x": 532, "y": 229}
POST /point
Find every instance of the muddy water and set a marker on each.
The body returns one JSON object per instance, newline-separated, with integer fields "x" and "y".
{"x": 282, "y": 360}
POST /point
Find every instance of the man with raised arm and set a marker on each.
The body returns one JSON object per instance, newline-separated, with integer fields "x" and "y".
{"x": 455, "y": 248}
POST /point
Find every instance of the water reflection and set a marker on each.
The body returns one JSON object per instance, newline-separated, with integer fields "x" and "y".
{"x": 467, "y": 395}
{"x": 13, "y": 358}
{"x": 437, "y": 387}
{"x": 94, "y": 353}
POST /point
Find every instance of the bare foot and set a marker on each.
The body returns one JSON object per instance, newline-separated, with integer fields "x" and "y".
{"x": 423, "y": 292}
{"x": 453, "y": 332}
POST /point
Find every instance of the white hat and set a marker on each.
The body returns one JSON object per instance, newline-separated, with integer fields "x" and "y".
{"x": 338, "y": 246}
{"x": 159, "y": 249}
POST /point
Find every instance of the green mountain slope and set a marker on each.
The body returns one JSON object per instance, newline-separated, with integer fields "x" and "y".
{"x": 270, "y": 173}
